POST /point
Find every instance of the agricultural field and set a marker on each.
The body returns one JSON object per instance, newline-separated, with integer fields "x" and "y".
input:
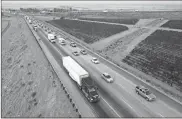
{"x": 170, "y": 15}
{"x": 176, "y": 24}
{"x": 87, "y": 31}
{"x": 159, "y": 55}
{"x": 112, "y": 20}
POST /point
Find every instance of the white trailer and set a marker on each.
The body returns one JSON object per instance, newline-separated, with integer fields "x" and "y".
{"x": 82, "y": 78}
{"x": 76, "y": 72}
{"x": 51, "y": 38}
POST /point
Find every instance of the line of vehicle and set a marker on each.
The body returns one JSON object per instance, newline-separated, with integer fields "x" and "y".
{"x": 128, "y": 104}
{"x": 81, "y": 93}
{"x": 105, "y": 101}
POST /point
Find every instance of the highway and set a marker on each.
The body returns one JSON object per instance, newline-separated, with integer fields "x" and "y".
{"x": 120, "y": 97}
{"x": 102, "y": 107}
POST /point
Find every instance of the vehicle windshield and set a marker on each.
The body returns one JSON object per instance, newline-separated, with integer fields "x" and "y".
{"x": 148, "y": 92}
{"x": 95, "y": 59}
{"x": 107, "y": 76}
{"x": 91, "y": 89}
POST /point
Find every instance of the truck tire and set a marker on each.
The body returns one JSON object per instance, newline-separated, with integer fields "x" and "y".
{"x": 79, "y": 86}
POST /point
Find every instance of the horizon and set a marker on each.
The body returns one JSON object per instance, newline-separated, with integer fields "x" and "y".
{"x": 95, "y": 5}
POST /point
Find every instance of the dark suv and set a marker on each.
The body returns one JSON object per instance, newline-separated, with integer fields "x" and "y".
{"x": 73, "y": 44}
{"x": 83, "y": 52}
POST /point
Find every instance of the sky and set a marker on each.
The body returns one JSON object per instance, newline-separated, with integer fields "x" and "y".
{"x": 140, "y": 5}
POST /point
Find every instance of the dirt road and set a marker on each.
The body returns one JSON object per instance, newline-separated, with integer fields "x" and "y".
{"x": 30, "y": 88}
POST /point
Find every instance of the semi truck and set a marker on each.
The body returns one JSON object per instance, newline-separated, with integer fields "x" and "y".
{"x": 51, "y": 38}
{"x": 82, "y": 78}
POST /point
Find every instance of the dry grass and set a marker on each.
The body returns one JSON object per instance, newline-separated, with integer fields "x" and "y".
{"x": 30, "y": 88}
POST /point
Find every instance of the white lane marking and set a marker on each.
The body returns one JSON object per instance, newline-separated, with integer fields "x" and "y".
{"x": 170, "y": 108}
{"x": 111, "y": 107}
{"x": 160, "y": 115}
{"x": 119, "y": 75}
{"x": 124, "y": 100}
{"x": 136, "y": 98}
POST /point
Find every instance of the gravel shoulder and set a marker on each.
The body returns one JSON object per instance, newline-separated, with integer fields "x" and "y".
{"x": 30, "y": 87}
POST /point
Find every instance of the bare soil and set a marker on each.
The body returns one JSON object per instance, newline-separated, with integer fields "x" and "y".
{"x": 30, "y": 87}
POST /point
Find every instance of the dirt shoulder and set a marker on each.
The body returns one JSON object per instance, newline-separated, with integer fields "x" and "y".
{"x": 30, "y": 87}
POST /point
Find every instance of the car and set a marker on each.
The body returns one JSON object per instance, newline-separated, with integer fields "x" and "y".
{"x": 84, "y": 52}
{"x": 107, "y": 77}
{"x": 63, "y": 43}
{"x": 73, "y": 44}
{"x": 145, "y": 93}
{"x": 75, "y": 53}
{"x": 95, "y": 60}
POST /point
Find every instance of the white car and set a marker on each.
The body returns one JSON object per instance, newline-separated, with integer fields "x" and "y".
{"x": 107, "y": 77}
{"x": 95, "y": 60}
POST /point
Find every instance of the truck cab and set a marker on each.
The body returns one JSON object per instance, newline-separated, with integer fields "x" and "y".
{"x": 90, "y": 90}
{"x": 52, "y": 38}
{"x": 91, "y": 93}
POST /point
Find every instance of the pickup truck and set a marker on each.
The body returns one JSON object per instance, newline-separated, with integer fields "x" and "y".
{"x": 145, "y": 93}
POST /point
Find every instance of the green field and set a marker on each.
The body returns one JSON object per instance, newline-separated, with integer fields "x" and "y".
{"x": 176, "y": 24}
{"x": 89, "y": 32}
{"x": 112, "y": 20}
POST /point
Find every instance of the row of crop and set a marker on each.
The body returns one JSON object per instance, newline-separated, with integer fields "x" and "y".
{"x": 94, "y": 31}
{"x": 159, "y": 55}
{"x": 176, "y": 24}
{"x": 158, "y": 66}
{"x": 158, "y": 50}
{"x": 160, "y": 36}
{"x": 112, "y": 20}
